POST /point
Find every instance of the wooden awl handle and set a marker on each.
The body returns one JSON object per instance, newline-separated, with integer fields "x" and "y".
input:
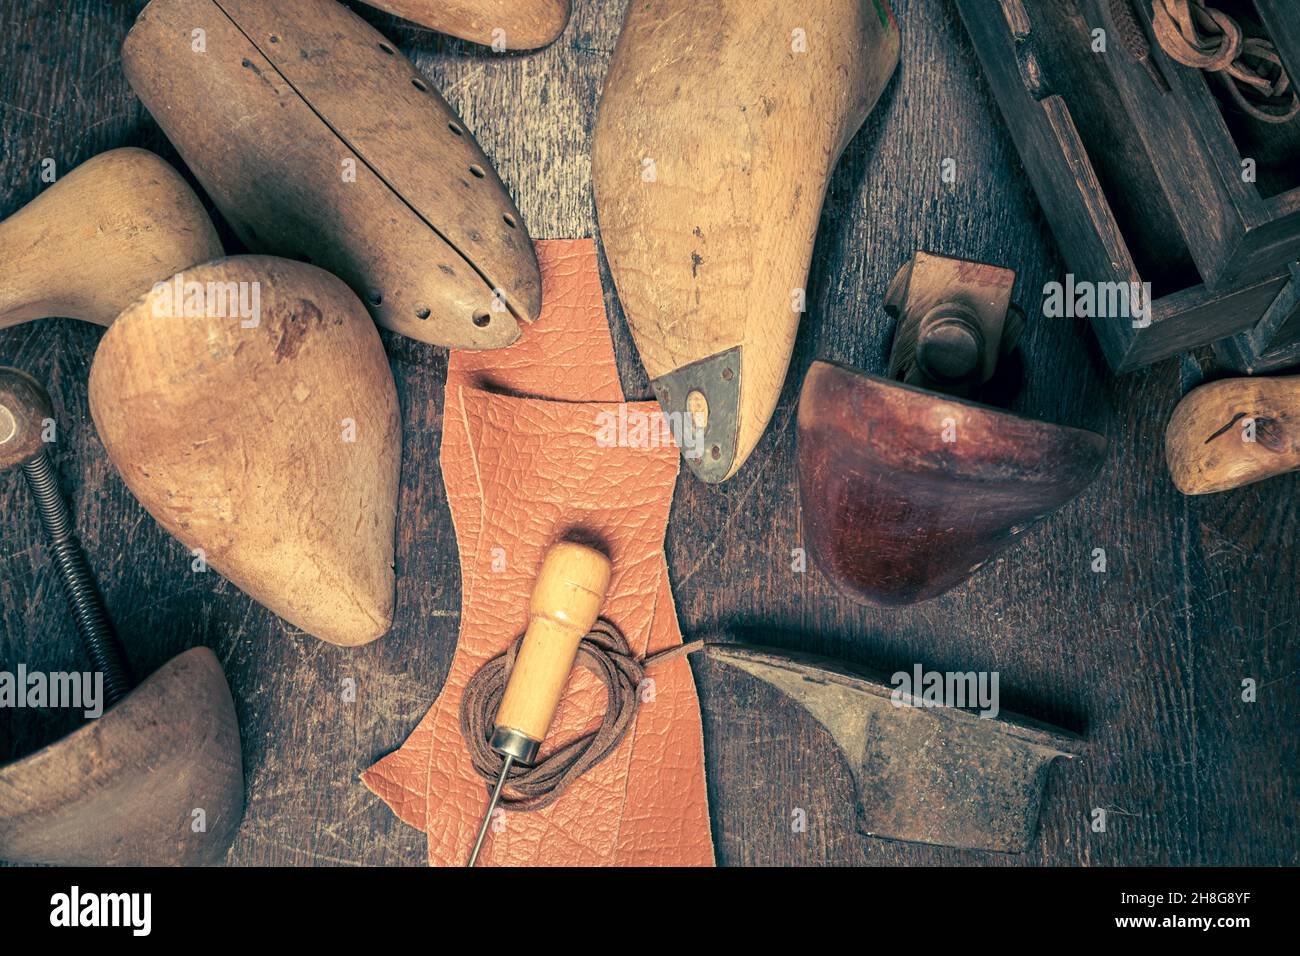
{"x": 566, "y": 600}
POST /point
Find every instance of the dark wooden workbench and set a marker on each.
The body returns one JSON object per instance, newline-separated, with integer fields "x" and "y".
{"x": 1147, "y": 659}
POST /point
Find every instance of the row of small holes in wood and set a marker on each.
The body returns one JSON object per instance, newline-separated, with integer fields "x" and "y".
{"x": 481, "y": 319}
{"x": 475, "y": 169}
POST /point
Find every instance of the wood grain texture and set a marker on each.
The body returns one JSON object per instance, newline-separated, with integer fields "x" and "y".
{"x": 1100, "y": 176}
{"x": 719, "y": 128}
{"x": 1234, "y": 432}
{"x": 1234, "y": 232}
{"x": 99, "y": 238}
{"x": 907, "y": 492}
{"x": 940, "y": 776}
{"x": 124, "y": 788}
{"x": 503, "y": 24}
{"x": 267, "y": 442}
{"x": 1274, "y": 341}
{"x": 319, "y": 141}
{"x": 1146, "y": 659}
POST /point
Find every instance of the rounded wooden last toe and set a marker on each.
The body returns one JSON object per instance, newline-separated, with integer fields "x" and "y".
{"x": 268, "y": 441}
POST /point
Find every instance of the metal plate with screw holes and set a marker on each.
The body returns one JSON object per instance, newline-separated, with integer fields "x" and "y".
{"x": 708, "y": 451}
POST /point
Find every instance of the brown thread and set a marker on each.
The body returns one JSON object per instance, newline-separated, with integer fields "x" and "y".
{"x": 606, "y": 653}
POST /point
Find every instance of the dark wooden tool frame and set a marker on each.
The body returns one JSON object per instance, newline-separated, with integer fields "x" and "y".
{"x": 1242, "y": 243}
{"x": 1234, "y": 234}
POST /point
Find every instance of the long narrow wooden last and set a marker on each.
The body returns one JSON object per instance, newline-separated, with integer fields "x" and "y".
{"x": 718, "y": 130}
{"x": 566, "y": 600}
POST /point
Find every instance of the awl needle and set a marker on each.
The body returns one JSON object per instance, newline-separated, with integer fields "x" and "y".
{"x": 492, "y": 805}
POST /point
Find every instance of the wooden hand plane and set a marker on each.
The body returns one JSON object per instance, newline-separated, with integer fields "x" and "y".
{"x": 1234, "y": 432}
{"x": 718, "y": 130}
{"x": 501, "y": 24}
{"x": 318, "y": 140}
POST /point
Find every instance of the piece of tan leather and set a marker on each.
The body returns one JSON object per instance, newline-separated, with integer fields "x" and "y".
{"x": 521, "y": 470}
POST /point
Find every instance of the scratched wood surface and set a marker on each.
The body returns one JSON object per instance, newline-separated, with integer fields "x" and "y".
{"x": 1147, "y": 659}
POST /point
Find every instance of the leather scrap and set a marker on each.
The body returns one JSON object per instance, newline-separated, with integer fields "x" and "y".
{"x": 522, "y": 467}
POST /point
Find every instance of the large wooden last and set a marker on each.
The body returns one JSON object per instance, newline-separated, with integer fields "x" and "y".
{"x": 718, "y": 130}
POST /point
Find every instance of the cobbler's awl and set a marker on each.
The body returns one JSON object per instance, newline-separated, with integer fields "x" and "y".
{"x": 924, "y": 774}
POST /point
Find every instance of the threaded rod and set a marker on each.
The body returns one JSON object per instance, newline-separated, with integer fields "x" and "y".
{"x": 93, "y": 625}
